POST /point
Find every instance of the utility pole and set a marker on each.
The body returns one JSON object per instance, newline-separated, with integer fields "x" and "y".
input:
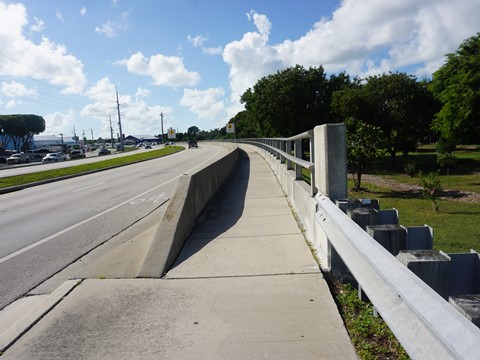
{"x": 119, "y": 122}
{"x": 111, "y": 129}
{"x": 91, "y": 131}
{"x": 75, "y": 136}
{"x": 161, "y": 117}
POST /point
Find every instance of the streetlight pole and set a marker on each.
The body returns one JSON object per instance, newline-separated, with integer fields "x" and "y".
{"x": 161, "y": 117}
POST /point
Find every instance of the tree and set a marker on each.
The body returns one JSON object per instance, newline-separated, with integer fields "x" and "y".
{"x": 245, "y": 126}
{"x": 364, "y": 141}
{"x": 20, "y": 129}
{"x": 395, "y": 103}
{"x": 192, "y": 132}
{"x": 363, "y": 146}
{"x": 457, "y": 85}
{"x": 291, "y": 101}
{"x": 401, "y": 107}
{"x": 431, "y": 187}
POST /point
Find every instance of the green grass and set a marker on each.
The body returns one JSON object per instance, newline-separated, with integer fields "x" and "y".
{"x": 455, "y": 225}
{"x": 107, "y": 163}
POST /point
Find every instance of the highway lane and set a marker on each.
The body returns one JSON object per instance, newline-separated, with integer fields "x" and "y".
{"x": 12, "y": 170}
{"x": 47, "y": 227}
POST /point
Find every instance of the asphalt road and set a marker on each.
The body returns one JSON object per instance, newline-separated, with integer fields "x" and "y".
{"x": 45, "y": 228}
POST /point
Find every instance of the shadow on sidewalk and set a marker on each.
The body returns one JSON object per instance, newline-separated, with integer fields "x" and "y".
{"x": 223, "y": 211}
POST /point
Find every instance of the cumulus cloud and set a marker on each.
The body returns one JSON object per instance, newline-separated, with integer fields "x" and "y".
{"x": 361, "y": 37}
{"x": 47, "y": 61}
{"x": 206, "y": 104}
{"x": 135, "y": 112}
{"x": 102, "y": 90}
{"x": 83, "y": 11}
{"x": 261, "y": 22}
{"x": 16, "y": 89}
{"x": 164, "y": 70}
{"x": 57, "y": 122}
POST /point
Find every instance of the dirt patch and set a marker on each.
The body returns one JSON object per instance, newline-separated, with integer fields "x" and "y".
{"x": 446, "y": 194}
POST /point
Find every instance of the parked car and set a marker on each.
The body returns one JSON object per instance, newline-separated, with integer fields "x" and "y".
{"x": 192, "y": 144}
{"x": 148, "y": 146}
{"x": 53, "y": 157}
{"x": 18, "y": 158}
{"x": 103, "y": 151}
{"x": 77, "y": 154}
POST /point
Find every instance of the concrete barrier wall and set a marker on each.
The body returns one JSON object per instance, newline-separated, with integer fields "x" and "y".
{"x": 190, "y": 197}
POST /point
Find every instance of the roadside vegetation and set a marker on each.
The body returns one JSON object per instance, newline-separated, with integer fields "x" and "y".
{"x": 85, "y": 168}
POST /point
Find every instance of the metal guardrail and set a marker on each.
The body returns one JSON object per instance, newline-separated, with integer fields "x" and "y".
{"x": 426, "y": 325}
{"x": 289, "y": 151}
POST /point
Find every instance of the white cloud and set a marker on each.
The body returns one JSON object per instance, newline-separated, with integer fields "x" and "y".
{"x": 109, "y": 29}
{"x": 59, "y": 15}
{"x": 103, "y": 90}
{"x": 197, "y": 41}
{"x": 261, "y": 22}
{"x": 135, "y": 112}
{"x": 45, "y": 61}
{"x": 362, "y": 38}
{"x": 58, "y": 122}
{"x": 10, "y": 104}
{"x": 142, "y": 93}
{"x": 164, "y": 70}
{"x": 38, "y": 26}
{"x": 206, "y": 104}
{"x": 16, "y": 89}
{"x": 83, "y": 11}
{"x": 212, "y": 51}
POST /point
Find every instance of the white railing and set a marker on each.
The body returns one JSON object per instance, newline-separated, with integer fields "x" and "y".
{"x": 427, "y": 326}
{"x": 290, "y": 151}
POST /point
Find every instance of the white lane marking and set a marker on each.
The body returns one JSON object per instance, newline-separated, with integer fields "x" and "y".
{"x": 89, "y": 187}
{"x": 61, "y": 232}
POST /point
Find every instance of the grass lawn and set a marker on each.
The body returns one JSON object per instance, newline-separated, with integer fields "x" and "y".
{"x": 455, "y": 226}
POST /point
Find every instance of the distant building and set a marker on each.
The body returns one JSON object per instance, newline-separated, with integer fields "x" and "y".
{"x": 136, "y": 139}
{"x": 45, "y": 141}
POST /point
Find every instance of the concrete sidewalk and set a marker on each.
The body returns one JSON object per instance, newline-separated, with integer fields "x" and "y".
{"x": 245, "y": 286}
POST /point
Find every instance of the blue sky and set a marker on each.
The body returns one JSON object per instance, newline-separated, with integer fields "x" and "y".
{"x": 192, "y": 59}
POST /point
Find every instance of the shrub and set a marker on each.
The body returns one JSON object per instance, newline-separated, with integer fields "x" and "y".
{"x": 431, "y": 187}
{"x": 411, "y": 169}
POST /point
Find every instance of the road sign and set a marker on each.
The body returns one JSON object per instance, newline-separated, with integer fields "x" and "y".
{"x": 171, "y": 133}
{"x": 230, "y": 128}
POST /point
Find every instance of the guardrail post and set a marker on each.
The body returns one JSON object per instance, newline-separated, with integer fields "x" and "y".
{"x": 288, "y": 150}
{"x": 331, "y": 160}
{"x": 297, "y": 148}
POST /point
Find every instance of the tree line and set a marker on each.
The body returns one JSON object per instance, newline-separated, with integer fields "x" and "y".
{"x": 19, "y": 130}
{"x": 390, "y": 113}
